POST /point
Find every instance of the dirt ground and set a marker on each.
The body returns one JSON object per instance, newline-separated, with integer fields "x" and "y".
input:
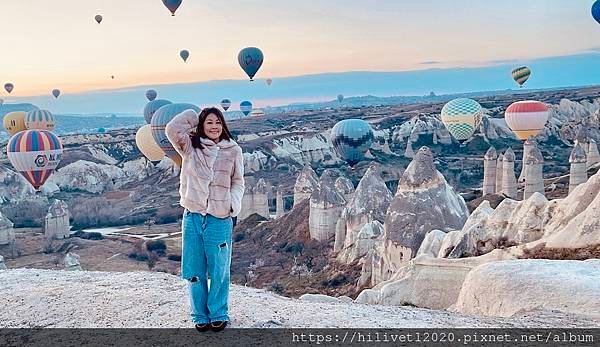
{"x": 108, "y": 254}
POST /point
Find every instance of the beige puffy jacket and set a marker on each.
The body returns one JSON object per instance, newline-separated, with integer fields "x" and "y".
{"x": 212, "y": 178}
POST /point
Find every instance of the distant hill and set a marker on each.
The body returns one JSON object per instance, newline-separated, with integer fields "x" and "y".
{"x": 573, "y": 70}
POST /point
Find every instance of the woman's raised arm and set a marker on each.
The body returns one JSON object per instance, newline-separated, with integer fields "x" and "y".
{"x": 178, "y": 131}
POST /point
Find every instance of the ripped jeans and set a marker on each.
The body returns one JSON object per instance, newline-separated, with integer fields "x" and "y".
{"x": 206, "y": 251}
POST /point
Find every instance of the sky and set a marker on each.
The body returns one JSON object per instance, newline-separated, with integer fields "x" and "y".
{"x": 57, "y": 44}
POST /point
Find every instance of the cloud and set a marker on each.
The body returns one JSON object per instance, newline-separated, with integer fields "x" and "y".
{"x": 430, "y": 62}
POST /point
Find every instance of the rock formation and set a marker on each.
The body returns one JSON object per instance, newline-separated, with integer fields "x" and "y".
{"x": 509, "y": 181}
{"x": 593, "y": 156}
{"x": 578, "y": 162}
{"x": 425, "y": 125}
{"x": 56, "y": 224}
{"x": 344, "y": 187}
{"x": 71, "y": 262}
{"x": 432, "y": 243}
{"x": 7, "y": 233}
{"x": 326, "y": 205}
{"x": 2, "y": 265}
{"x": 255, "y": 199}
{"x": 528, "y": 145}
{"x": 499, "y": 169}
{"x": 370, "y": 237}
{"x": 369, "y": 202}
{"x": 280, "y": 208}
{"x": 305, "y": 184}
{"x": 533, "y": 165}
{"x": 489, "y": 171}
{"x": 409, "y": 153}
{"x": 423, "y": 202}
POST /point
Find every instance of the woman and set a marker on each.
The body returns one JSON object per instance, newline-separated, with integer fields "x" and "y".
{"x": 211, "y": 189}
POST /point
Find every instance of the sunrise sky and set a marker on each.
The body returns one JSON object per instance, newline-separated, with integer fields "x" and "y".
{"x": 57, "y": 44}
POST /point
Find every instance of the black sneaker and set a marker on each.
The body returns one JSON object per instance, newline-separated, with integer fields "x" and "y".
{"x": 218, "y": 325}
{"x": 203, "y": 327}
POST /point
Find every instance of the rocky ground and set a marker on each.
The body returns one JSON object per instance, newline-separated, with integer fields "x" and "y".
{"x": 76, "y": 299}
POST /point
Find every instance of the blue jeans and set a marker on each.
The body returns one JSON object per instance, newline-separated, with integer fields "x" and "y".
{"x": 206, "y": 251}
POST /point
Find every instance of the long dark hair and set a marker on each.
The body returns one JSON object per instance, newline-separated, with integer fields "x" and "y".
{"x": 225, "y": 134}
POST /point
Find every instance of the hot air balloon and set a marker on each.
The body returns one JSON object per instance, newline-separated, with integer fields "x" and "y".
{"x": 250, "y": 59}
{"x": 225, "y": 103}
{"x": 151, "y": 94}
{"x": 269, "y": 81}
{"x": 340, "y": 98}
{"x": 35, "y": 154}
{"x": 102, "y": 130}
{"x": 40, "y": 119}
{"x": 521, "y": 75}
{"x": 184, "y": 54}
{"x": 461, "y": 116}
{"x": 98, "y": 18}
{"x": 146, "y": 144}
{"x": 596, "y": 11}
{"x": 152, "y": 107}
{"x": 257, "y": 113}
{"x": 159, "y": 121}
{"x": 9, "y": 87}
{"x": 172, "y": 5}
{"x": 245, "y": 107}
{"x": 526, "y": 118}
{"x": 55, "y": 92}
{"x": 351, "y": 139}
{"x": 15, "y": 122}
{"x": 112, "y": 77}
{"x": 1, "y": 102}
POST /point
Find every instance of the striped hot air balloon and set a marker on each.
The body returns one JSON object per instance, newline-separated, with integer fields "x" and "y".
{"x": 461, "y": 116}
{"x": 526, "y": 118}
{"x": 152, "y": 107}
{"x": 159, "y": 121}
{"x": 35, "y": 154}
{"x": 246, "y": 107}
{"x": 351, "y": 139}
{"x": 15, "y": 122}
{"x": 225, "y": 103}
{"x": 40, "y": 119}
{"x": 521, "y": 75}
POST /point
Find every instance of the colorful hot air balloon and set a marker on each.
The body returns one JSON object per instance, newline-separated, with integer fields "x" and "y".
{"x": 15, "y": 122}
{"x": 351, "y": 139}
{"x": 521, "y": 75}
{"x": 250, "y": 59}
{"x": 152, "y": 107}
{"x": 269, "y": 81}
{"x": 596, "y": 11}
{"x": 159, "y": 121}
{"x": 151, "y": 94}
{"x": 184, "y": 54}
{"x": 526, "y": 118}
{"x": 340, "y": 98}
{"x": 40, "y": 119}
{"x": 146, "y": 144}
{"x": 55, "y": 92}
{"x": 460, "y": 116}
{"x": 9, "y": 87}
{"x": 246, "y": 107}
{"x": 35, "y": 154}
{"x": 225, "y": 103}
{"x": 98, "y": 18}
{"x": 172, "y": 5}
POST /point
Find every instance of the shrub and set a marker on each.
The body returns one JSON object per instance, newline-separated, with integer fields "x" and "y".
{"x": 296, "y": 247}
{"x": 276, "y": 288}
{"x": 141, "y": 256}
{"x": 239, "y": 237}
{"x": 174, "y": 257}
{"x": 336, "y": 281}
{"x": 157, "y": 246}
{"x": 151, "y": 260}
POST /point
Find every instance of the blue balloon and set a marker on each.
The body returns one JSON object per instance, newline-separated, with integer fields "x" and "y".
{"x": 184, "y": 54}
{"x": 225, "y": 103}
{"x": 250, "y": 59}
{"x": 101, "y": 130}
{"x": 172, "y": 5}
{"x": 151, "y": 94}
{"x": 596, "y": 11}
{"x": 152, "y": 107}
{"x": 351, "y": 139}
{"x": 246, "y": 107}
